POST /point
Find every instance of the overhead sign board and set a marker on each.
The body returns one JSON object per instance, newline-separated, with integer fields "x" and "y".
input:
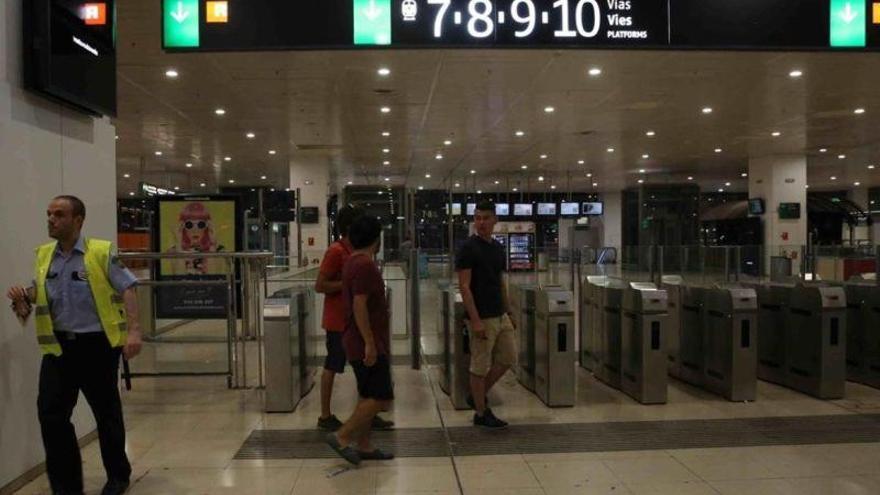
{"x": 237, "y": 25}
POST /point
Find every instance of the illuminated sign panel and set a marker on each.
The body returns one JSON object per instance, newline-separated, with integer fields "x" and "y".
{"x": 848, "y": 23}
{"x": 217, "y": 12}
{"x": 94, "y": 14}
{"x": 180, "y": 19}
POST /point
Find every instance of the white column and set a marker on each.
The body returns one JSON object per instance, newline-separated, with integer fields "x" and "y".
{"x": 781, "y": 179}
{"x": 312, "y": 178}
{"x": 612, "y": 221}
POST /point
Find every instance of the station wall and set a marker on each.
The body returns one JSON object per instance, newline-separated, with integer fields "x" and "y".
{"x": 45, "y": 150}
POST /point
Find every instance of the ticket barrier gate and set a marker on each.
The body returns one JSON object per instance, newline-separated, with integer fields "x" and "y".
{"x": 731, "y": 359}
{"x": 643, "y": 358}
{"x": 590, "y": 319}
{"x": 863, "y": 333}
{"x": 289, "y": 372}
{"x": 773, "y": 300}
{"x": 555, "y": 354}
{"x": 523, "y": 309}
{"x": 608, "y": 355}
{"x": 691, "y": 338}
{"x": 454, "y": 373}
{"x": 674, "y": 286}
{"x": 815, "y": 341}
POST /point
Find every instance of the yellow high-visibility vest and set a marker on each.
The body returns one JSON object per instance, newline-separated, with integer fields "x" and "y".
{"x": 111, "y": 310}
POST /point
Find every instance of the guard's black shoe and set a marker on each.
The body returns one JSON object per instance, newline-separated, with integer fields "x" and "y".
{"x": 489, "y": 421}
{"x": 470, "y": 402}
{"x": 380, "y": 424}
{"x": 330, "y": 423}
{"x": 115, "y": 487}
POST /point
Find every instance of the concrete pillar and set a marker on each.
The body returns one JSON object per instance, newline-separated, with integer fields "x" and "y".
{"x": 612, "y": 221}
{"x": 781, "y": 179}
{"x": 312, "y": 178}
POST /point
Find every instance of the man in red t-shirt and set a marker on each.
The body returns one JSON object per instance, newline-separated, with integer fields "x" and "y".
{"x": 329, "y": 283}
{"x": 366, "y": 341}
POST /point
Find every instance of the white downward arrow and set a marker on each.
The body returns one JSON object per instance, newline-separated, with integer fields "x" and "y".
{"x": 181, "y": 14}
{"x": 848, "y": 15}
{"x": 372, "y": 12}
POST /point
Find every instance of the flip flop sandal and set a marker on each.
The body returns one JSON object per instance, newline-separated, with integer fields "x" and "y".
{"x": 347, "y": 453}
{"x": 376, "y": 455}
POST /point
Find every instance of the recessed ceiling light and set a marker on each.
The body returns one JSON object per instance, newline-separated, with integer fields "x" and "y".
{"x": 250, "y": 135}
{"x": 350, "y": 183}
{"x": 386, "y": 163}
{"x": 386, "y": 134}
{"x": 870, "y": 167}
{"x": 721, "y": 190}
{"x": 421, "y": 188}
{"x": 438, "y": 156}
{"x": 227, "y": 158}
{"x": 385, "y": 109}
{"x": 641, "y": 171}
{"x": 158, "y": 153}
{"x": 841, "y": 157}
{"x": 552, "y": 187}
{"x": 707, "y": 110}
{"x": 447, "y": 143}
{"x": 427, "y": 176}
{"x": 646, "y": 156}
{"x": 384, "y": 71}
{"x": 117, "y": 136}
{"x": 519, "y": 133}
{"x": 610, "y": 150}
{"x": 543, "y": 157}
{"x": 589, "y": 174}
{"x": 263, "y": 177}
{"x": 126, "y": 175}
{"x": 595, "y": 71}
{"x": 859, "y": 111}
{"x": 220, "y": 111}
{"x": 690, "y": 178}
{"x": 650, "y": 134}
{"x": 833, "y": 177}
{"x": 202, "y": 184}
{"x": 823, "y": 150}
{"x": 497, "y": 182}
{"x": 473, "y": 172}
{"x": 744, "y": 175}
{"x": 171, "y": 73}
{"x": 775, "y": 133}
{"x": 857, "y": 184}
{"x": 232, "y": 181}
{"x": 479, "y": 192}
{"x": 549, "y": 109}
{"x": 727, "y": 184}
{"x": 641, "y": 181}
{"x": 581, "y": 162}
{"x": 457, "y": 184}
{"x": 795, "y": 73}
{"x": 807, "y": 186}
{"x": 540, "y": 178}
{"x": 386, "y": 150}
{"x": 387, "y": 179}
{"x": 524, "y": 167}
{"x": 131, "y": 194}
{"x": 595, "y": 184}
{"x": 286, "y": 189}
{"x": 515, "y": 189}
{"x": 718, "y": 150}
{"x": 272, "y": 152}
{"x": 177, "y": 188}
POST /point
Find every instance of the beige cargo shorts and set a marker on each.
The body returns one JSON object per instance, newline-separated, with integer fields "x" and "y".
{"x": 498, "y": 347}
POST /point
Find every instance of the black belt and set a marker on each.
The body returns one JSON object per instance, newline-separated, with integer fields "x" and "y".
{"x": 62, "y": 335}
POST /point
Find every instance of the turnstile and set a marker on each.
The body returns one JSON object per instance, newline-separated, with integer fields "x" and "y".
{"x": 289, "y": 370}
{"x": 608, "y": 343}
{"x": 773, "y": 300}
{"x": 731, "y": 359}
{"x": 454, "y": 375}
{"x": 674, "y": 286}
{"x": 815, "y": 341}
{"x": 523, "y": 316}
{"x": 643, "y": 358}
{"x": 691, "y": 354}
{"x": 590, "y": 319}
{"x": 863, "y": 333}
{"x": 555, "y": 354}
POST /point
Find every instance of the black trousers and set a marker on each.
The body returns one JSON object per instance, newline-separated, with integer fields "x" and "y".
{"x": 90, "y": 365}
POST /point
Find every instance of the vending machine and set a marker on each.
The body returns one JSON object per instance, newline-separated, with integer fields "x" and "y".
{"x": 521, "y": 252}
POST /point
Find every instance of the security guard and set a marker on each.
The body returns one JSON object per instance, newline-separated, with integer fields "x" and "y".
{"x": 86, "y": 316}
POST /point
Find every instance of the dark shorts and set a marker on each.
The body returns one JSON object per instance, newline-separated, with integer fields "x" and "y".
{"x": 374, "y": 382}
{"x": 335, "y": 360}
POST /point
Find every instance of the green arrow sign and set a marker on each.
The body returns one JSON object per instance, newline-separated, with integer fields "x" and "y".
{"x": 848, "y": 23}
{"x": 372, "y": 22}
{"x": 181, "y": 21}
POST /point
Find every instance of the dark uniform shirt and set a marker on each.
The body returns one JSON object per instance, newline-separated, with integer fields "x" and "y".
{"x": 486, "y": 260}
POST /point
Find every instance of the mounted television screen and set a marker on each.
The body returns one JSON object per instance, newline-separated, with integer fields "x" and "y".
{"x": 570, "y": 209}
{"x": 456, "y": 209}
{"x": 549, "y": 209}
{"x": 471, "y": 208}
{"x": 789, "y": 211}
{"x": 70, "y": 53}
{"x": 522, "y": 210}
{"x": 594, "y": 208}
{"x": 756, "y": 206}
{"x": 502, "y": 209}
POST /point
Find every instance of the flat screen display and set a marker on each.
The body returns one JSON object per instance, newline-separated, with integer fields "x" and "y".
{"x": 789, "y": 211}
{"x": 502, "y": 209}
{"x": 471, "y": 209}
{"x": 522, "y": 210}
{"x": 756, "y": 206}
{"x": 70, "y": 53}
{"x": 592, "y": 208}
{"x": 548, "y": 208}
{"x": 570, "y": 209}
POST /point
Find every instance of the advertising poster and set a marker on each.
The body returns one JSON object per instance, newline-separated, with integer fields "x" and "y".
{"x": 195, "y": 225}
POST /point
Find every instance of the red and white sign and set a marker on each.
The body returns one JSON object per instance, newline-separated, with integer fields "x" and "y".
{"x": 94, "y": 14}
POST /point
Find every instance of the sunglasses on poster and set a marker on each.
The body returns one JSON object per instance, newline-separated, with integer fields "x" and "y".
{"x": 191, "y": 225}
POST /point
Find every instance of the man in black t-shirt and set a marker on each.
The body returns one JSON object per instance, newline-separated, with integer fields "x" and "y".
{"x": 480, "y": 264}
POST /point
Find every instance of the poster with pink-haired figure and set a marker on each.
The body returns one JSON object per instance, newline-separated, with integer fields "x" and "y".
{"x": 195, "y": 225}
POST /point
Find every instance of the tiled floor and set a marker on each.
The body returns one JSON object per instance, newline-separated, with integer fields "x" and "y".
{"x": 184, "y": 433}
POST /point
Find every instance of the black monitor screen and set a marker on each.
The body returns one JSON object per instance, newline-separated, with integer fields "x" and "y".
{"x": 756, "y": 206}
{"x": 592, "y": 208}
{"x": 70, "y": 52}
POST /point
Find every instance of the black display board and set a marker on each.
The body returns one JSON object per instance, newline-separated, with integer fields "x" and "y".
{"x": 789, "y": 211}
